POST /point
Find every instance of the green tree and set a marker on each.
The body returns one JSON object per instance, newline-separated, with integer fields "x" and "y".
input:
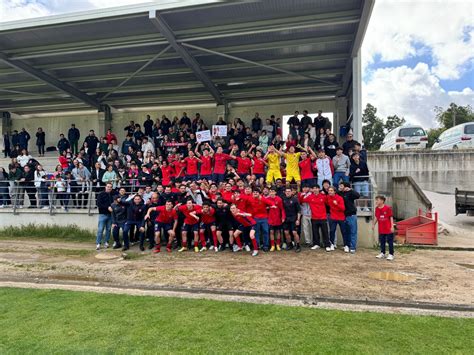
{"x": 393, "y": 122}
{"x": 372, "y": 128}
{"x": 453, "y": 115}
{"x": 433, "y": 134}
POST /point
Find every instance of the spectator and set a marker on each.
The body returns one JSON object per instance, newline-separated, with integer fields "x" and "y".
{"x": 82, "y": 175}
{"x": 40, "y": 141}
{"x": 104, "y": 205}
{"x": 63, "y": 144}
{"x": 23, "y": 139}
{"x": 359, "y": 174}
{"x": 110, "y": 176}
{"x": 349, "y": 144}
{"x": 305, "y": 122}
{"x": 110, "y": 137}
{"x": 263, "y": 141}
{"x": 15, "y": 139}
{"x": 73, "y": 135}
{"x": 331, "y": 145}
{"x": 342, "y": 165}
{"x": 6, "y": 145}
{"x": 24, "y": 158}
{"x": 256, "y": 123}
{"x": 41, "y": 186}
{"x": 92, "y": 142}
{"x": 324, "y": 167}
{"x": 268, "y": 127}
{"x": 350, "y": 227}
{"x": 294, "y": 124}
{"x": 4, "y": 185}
{"x": 27, "y": 184}
{"x": 321, "y": 122}
{"x": 147, "y": 146}
{"x": 221, "y": 122}
{"x": 148, "y": 126}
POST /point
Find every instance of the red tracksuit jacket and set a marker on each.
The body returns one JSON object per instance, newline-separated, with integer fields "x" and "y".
{"x": 318, "y": 204}
{"x": 336, "y": 209}
{"x": 276, "y": 215}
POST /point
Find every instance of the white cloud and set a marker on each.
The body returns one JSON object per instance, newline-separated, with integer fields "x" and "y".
{"x": 11, "y": 10}
{"x": 399, "y": 27}
{"x": 412, "y": 93}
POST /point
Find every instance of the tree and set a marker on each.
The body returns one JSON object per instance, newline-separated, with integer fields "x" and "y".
{"x": 454, "y": 115}
{"x": 372, "y": 128}
{"x": 393, "y": 122}
{"x": 433, "y": 135}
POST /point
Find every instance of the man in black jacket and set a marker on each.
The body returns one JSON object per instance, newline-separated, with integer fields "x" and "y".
{"x": 104, "y": 204}
{"x": 63, "y": 144}
{"x": 292, "y": 219}
{"x": 27, "y": 182}
{"x": 136, "y": 211}
{"x": 148, "y": 126}
{"x": 96, "y": 177}
{"x": 350, "y": 224}
{"x": 74, "y": 135}
{"x": 92, "y": 141}
{"x": 119, "y": 217}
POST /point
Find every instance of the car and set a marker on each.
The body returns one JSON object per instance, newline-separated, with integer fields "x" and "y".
{"x": 457, "y": 137}
{"x": 405, "y": 137}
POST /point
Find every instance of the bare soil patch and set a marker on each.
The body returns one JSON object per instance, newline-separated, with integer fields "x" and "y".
{"x": 435, "y": 276}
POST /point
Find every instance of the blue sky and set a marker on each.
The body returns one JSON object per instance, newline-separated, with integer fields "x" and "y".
{"x": 417, "y": 54}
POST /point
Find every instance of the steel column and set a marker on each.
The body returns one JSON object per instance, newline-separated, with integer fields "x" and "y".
{"x": 166, "y": 31}
{"x": 48, "y": 79}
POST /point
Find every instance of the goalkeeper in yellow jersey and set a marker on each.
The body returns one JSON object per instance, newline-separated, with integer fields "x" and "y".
{"x": 292, "y": 168}
{"x": 273, "y": 159}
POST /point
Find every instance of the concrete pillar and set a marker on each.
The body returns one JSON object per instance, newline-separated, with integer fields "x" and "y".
{"x": 357, "y": 97}
{"x": 5, "y": 125}
{"x": 105, "y": 120}
{"x": 340, "y": 117}
{"x": 223, "y": 110}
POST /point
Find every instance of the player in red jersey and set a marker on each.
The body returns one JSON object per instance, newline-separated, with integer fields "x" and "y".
{"x": 276, "y": 216}
{"x": 246, "y": 224}
{"x": 191, "y": 224}
{"x": 208, "y": 221}
{"x": 167, "y": 173}
{"x": 191, "y": 163}
{"x": 306, "y": 164}
{"x": 220, "y": 165}
{"x": 205, "y": 171}
{"x": 167, "y": 220}
{"x": 244, "y": 165}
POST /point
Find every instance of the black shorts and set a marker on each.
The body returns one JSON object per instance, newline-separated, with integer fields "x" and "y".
{"x": 245, "y": 229}
{"x": 224, "y": 227}
{"x": 206, "y": 225}
{"x": 190, "y": 227}
{"x": 289, "y": 226}
{"x": 165, "y": 226}
{"x": 275, "y": 228}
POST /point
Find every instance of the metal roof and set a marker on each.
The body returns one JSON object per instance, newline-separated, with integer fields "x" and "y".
{"x": 180, "y": 52}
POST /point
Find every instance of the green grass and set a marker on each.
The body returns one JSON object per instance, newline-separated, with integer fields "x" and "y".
{"x": 44, "y": 321}
{"x": 71, "y": 233}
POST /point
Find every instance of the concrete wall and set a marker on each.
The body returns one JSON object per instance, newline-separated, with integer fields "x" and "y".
{"x": 408, "y": 198}
{"x": 438, "y": 171}
{"x": 61, "y": 218}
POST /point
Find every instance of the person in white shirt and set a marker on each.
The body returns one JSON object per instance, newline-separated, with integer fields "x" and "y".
{"x": 147, "y": 146}
{"x": 24, "y": 158}
{"x": 324, "y": 166}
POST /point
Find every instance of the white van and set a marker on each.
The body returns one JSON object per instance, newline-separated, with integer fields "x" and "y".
{"x": 457, "y": 137}
{"x": 405, "y": 137}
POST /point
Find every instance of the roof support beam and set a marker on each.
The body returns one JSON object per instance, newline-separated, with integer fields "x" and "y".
{"x": 51, "y": 81}
{"x": 135, "y": 73}
{"x": 312, "y": 77}
{"x": 166, "y": 31}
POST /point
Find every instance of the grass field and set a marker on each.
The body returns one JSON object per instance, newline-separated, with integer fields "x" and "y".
{"x": 71, "y": 233}
{"x": 39, "y": 321}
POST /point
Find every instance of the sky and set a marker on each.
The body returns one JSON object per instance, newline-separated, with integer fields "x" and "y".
{"x": 417, "y": 54}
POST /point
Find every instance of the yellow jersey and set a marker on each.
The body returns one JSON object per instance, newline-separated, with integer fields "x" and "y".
{"x": 292, "y": 160}
{"x": 273, "y": 161}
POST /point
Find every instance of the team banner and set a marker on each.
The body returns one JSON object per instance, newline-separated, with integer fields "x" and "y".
{"x": 219, "y": 131}
{"x": 203, "y": 136}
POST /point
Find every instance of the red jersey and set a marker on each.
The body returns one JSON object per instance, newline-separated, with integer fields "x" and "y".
{"x": 336, "y": 209}
{"x": 179, "y": 168}
{"x": 110, "y": 137}
{"x": 243, "y": 165}
{"x": 305, "y": 169}
{"x": 206, "y": 165}
{"x": 191, "y": 166}
{"x": 245, "y": 221}
{"x": 167, "y": 173}
{"x": 383, "y": 215}
{"x": 188, "y": 219}
{"x": 258, "y": 166}
{"x": 276, "y": 215}
{"x": 259, "y": 207}
{"x": 227, "y": 195}
{"x": 243, "y": 203}
{"x": 209, "y": 217}
{"x": 165, "y": 216}
{"x": 220, "y": 162}
{"x": 318, "y": 204}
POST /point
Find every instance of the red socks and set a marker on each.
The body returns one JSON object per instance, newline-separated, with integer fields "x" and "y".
{"x": 239, "y": 243}
{"x": 214, "y": 238}
{"x": 203, "y": 239}
{"x": 196, "y": 244}
{"x": 254, "y": 243}
{"x": 272, "y": 243}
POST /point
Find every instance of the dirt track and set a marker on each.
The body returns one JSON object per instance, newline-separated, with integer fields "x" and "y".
{"x": 423, "y": 275}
